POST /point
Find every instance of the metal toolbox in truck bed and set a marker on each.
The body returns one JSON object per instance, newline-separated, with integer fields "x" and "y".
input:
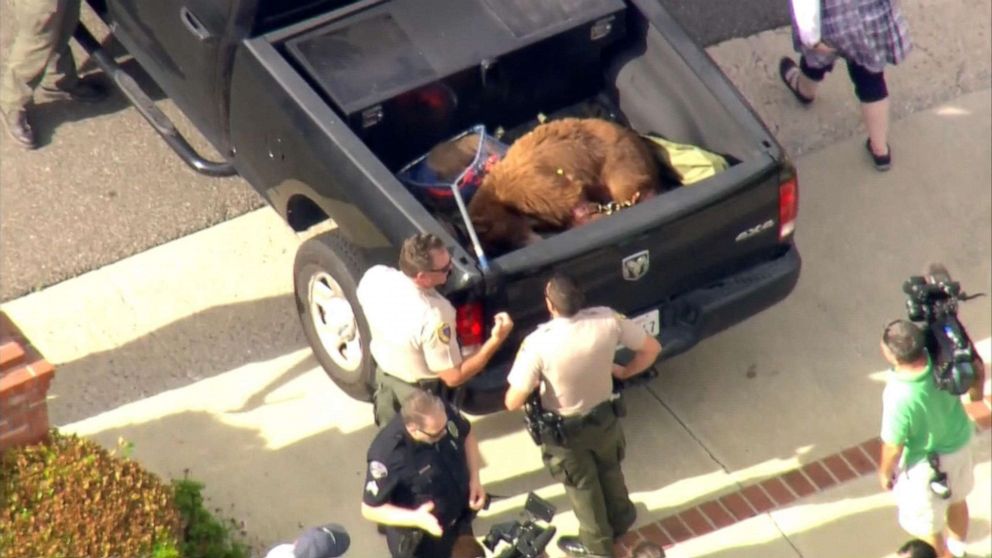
{"x": 385, "y": 67}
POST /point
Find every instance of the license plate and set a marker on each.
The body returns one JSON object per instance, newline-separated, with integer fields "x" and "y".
{"x": 649, "y": 321}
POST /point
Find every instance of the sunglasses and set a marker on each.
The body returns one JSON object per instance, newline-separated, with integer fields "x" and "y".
{"x": 446, "y": 269}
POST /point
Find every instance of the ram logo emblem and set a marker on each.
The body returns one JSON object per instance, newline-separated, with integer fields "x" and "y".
{"x": 636, "y": 265}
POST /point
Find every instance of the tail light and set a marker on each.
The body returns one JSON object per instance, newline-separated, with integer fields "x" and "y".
{"x": 468, "y": 326}
{"x": 788, "y": 204}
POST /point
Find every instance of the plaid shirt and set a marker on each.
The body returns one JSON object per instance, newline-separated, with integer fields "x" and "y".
{"x": 872, "y": 33}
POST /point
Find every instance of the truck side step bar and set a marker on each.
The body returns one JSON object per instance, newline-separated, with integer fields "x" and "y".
{"x": 146, "y": 106}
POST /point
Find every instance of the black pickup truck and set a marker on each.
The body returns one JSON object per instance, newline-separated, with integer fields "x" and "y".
{"x": 318, "y": 104}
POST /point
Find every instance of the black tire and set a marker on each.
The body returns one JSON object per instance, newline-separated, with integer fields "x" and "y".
{"x": 331, "y": 255}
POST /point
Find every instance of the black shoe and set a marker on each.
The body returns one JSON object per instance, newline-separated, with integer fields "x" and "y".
{"x": 16, "y": 123}
{"x": 572, "y": 546}
{"x": 81, "y": 92}
{"x": 882, "y": 162}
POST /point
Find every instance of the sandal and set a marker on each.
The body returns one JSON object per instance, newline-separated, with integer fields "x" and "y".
{"x": 882, "y": 162}
{"x": 789, "y": 72}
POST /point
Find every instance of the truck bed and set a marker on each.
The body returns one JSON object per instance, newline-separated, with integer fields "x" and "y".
{"x": 716, "y": 252}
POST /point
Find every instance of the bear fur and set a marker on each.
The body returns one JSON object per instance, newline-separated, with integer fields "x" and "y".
{"x": 552, "y": 177}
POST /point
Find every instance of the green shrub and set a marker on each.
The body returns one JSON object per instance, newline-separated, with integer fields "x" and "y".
{"x": 70, "y": 497}
{"x": 205, "y": 536}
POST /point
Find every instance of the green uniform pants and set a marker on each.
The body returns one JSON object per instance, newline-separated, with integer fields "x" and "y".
{"x": 589, "y": 467}
{"x": 40, "y": 51}
{"x": 388, "y": 396}
{"x": 390, "y": 392}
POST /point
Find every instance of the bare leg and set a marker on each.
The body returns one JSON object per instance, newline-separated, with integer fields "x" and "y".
{"x": 876, "y": 117}
{"x": 937, "y": 541}
{"x": 957, "y": 521}
{"x": 807, "y": 87}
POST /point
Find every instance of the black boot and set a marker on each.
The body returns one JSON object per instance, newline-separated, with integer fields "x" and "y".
{"x": 18, "y": 128}
{"x": 80, "y": 92}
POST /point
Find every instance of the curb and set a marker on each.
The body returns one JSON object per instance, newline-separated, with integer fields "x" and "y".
{"x": 773, "y": 493}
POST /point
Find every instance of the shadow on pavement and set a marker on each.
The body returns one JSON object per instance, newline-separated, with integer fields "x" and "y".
{"x": 46, "y": 117}
{"x": 196, "y": 347}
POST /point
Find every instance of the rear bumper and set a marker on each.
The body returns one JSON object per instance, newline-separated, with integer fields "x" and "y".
{"x": 685, "y": 320}
{"x": 733, "y": 299}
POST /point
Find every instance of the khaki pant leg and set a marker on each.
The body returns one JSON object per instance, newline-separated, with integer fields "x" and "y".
{"x": 60, "y": 72}
{"x": 576, "y": 469}
{"x": 609, "y": 455}
{"x": 38, "y": 25}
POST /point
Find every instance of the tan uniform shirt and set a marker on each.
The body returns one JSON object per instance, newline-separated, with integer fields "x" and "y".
{"x": 574, "y": 356}
{"x": 413, "y": 329}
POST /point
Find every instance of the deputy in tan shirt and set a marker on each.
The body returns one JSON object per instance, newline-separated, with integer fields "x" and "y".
{"x": 571, "y": 359}
{"x": 412, "y": 326}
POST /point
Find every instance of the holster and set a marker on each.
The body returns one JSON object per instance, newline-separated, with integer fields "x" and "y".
{"x": 544, "y": 427}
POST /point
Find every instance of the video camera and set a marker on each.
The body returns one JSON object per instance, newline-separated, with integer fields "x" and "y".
{"x": 527, "y": 538}
{"x": 934, "y": 299}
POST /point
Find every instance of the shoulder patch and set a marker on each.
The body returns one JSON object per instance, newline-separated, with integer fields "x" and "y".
{"x": 378, "y": 470}
{"x": 372, "y": 488}
{"x": 444, "y": 332}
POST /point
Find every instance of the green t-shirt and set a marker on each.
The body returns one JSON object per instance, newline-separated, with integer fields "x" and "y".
{"x": 921, "y": 417}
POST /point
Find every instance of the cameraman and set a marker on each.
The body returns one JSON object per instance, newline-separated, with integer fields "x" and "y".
{"x": 924, "y": 426}
{"x": 571, "y": 358}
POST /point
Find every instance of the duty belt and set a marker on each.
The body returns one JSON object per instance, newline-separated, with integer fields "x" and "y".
{"x": 432, "y": 385}
{"x": 455, "y": 396}
{"x": 548, "y": 427}
{"x": 601, "y": 413}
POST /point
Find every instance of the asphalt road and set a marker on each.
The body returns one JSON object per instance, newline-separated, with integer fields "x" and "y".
{"x": 712, "y": 21}
{"x": 104, "y": 187}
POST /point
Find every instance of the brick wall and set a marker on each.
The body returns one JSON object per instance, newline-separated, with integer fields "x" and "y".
{"x": 24, "y": 379}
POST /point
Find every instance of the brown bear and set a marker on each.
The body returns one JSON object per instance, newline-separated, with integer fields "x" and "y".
{"x": 552, "y": 177}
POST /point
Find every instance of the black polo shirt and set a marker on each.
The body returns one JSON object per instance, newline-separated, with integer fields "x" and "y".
{"x": 407, "y": 473}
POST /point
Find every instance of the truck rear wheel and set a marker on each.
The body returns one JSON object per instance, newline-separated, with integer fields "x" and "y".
{"x": 325, "y": 276}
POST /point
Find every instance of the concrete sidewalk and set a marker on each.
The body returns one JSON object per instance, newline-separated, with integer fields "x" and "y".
{"x": 192, "y": 352}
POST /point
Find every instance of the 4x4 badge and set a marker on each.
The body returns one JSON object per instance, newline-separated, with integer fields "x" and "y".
{"x": 635, "y": 266}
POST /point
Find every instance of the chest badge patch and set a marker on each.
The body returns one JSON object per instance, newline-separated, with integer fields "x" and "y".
{"x": 372, "y": 488}
{"x": 444, "y": 332}
{"x": 452, "y": 429}
{"x": 378, "y": 470}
